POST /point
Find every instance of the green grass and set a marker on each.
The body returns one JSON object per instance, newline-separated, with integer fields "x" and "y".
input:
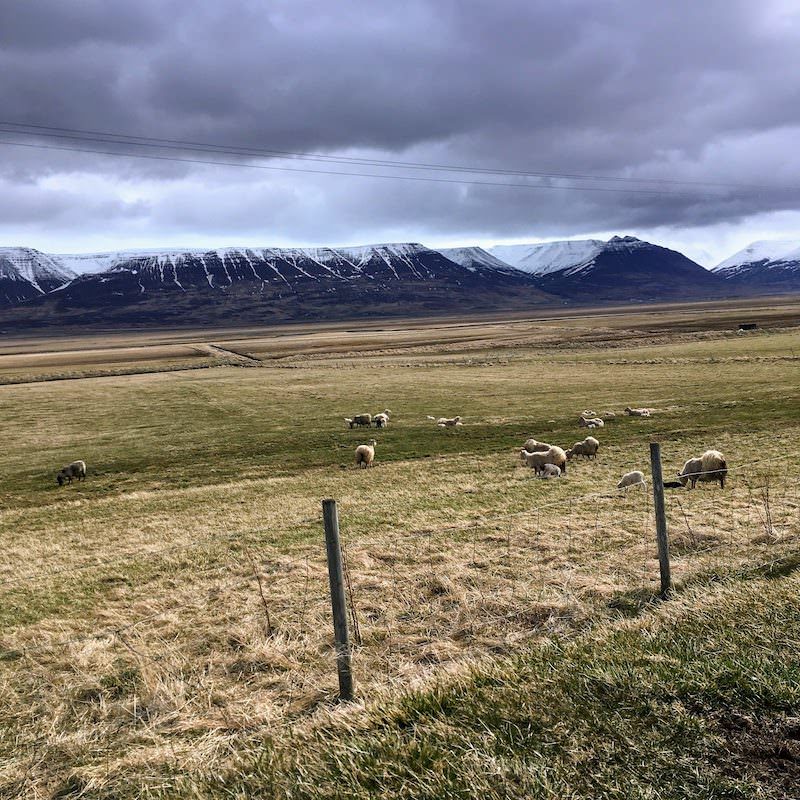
{"x": 196, "y": 478}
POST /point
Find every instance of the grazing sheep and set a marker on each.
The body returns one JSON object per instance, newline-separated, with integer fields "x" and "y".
{"x": 637, "y": 412}
{"x": 365, "y": 454}
{"x": 77, "y": 469}
{"x": 536, "y": 461}
{"x": 359, "y": 419}
{"x": 588, "y": 447}
{"x": 711, "y": 466}
{"x": 532, "y": 446}
{"x": 444, "y": 422}
{"x": 635, "y": 478}
{"x": 592, "y": 422}
{"x": 550, "y": 471}
{"x": 382, "y": 420}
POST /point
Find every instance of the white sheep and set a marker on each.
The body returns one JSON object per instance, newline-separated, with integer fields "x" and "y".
{"x": 592, "y": 422}
{"x": 77, "y": 469}
{"x": 550, "y": 471}
{"x": 637, "y": 412}
{"x": 365, "y": 454}
{"x": 382, "y": 420}
{"x": 711, "y": 466}
{"x": 588, "y": 447}
{"x": 635, "y": 478}
{"x": 536, "y": 461}
{"x": 532, "y": 446}
{"x": 444, "y": 422}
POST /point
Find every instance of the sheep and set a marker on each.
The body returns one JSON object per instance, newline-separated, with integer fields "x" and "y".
{"x": 588, "y": 447}
{"x": 592, "y": 422}
{"x": 635, "y": 478}
{"x": 711, "y": 466}
{"x": 365, "y": 454}
{"x": 77, "y": 469}
{"x": 550, "y": 471}
{"x": 532, "y": 446}
{"x": 608, "y": 415}
{"x": 359, "y": 419}
{"x": 536, "y": 461}
{"x": 637, "y": 412}
{"x": 382, "y": 420}
{"x": 588, "y": 414}
{"x": 444, "y": 422}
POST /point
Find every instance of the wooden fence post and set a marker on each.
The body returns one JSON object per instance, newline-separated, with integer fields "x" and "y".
{"x": 661, "y": 518}
{"x": 330, "y": 517}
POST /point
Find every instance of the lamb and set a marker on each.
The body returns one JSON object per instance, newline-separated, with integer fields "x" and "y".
{"x": 365, "y": 454}
{"x": 359, "y": 419}
{"x": 588, "y": 447}
{"x": 637, "y": 412}
{"x": 591, "y": 422}
{"x": 444, "y": 422}
{"x": 532, "y": 446}
{"x": 77, "y": 469}
{"x": 550, "y": 471}
{"x": 635, "y": 478}
{"x": 711, "y": 466}
{"x": 536, "y": 461}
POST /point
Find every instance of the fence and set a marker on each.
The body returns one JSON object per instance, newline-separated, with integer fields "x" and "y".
{"x": 250, "y": 638}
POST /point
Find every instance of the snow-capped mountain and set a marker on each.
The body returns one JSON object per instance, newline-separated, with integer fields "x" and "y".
{"x": 764, "y": 266}
{"x": 623, "y": 269}
{"x": 26, "y": 273}
{"x": 547, "y": 257}
{"x": 476, "y": 258}
{"x": 263, "y": 284}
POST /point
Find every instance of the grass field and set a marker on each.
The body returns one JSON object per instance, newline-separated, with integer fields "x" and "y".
{"x": 139, "y": 658}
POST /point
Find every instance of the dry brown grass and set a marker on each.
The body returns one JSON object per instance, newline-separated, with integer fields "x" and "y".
{"x": 134, "y": 637}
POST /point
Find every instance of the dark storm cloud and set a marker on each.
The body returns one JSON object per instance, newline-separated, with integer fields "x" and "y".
{"x": 677, "y": 91}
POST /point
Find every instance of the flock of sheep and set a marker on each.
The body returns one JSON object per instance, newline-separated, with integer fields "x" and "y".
{"x": 546, "y": 460}
{"x": 550, "y": 461}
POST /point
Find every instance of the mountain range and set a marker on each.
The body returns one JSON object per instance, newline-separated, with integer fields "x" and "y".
{"x": 252, "y": 285}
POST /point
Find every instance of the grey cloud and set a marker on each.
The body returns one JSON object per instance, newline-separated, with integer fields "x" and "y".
{"x": 685, "y": 90}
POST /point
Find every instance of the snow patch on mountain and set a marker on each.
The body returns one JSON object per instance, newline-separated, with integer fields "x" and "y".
{"x": 547, "y": 257}
{"x": 474, "y": 258}
{"x": 37, "y": 268}
{"x": 764, "y": 253}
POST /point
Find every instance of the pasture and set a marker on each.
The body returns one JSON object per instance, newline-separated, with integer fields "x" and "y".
{"x": 161, "y": 619}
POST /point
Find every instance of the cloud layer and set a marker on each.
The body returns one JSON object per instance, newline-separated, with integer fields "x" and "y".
{"x": 685, "y": 91}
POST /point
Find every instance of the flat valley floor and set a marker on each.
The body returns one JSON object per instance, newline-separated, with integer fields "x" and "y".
{"x": 165, "y": 624}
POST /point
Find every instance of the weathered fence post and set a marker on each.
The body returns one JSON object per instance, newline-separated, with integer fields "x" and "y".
{"x": 330, "y": 517}
{"x": 661, "y": 518}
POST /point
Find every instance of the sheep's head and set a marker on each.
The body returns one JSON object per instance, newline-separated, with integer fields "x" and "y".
{"x": 60, "y": 478}
{"x": 682, "y": 478}
{"x": 372, "y": 443}
{"x": 569, "y": 453}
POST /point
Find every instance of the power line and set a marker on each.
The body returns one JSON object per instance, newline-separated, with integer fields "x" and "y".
{"x": 414, "y": 178}
{"x": 105, "y": 137}
{"x": 117, "y": 139}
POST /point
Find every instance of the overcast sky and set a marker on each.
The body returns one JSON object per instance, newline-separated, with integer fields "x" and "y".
{"x": 705, "y": 93}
